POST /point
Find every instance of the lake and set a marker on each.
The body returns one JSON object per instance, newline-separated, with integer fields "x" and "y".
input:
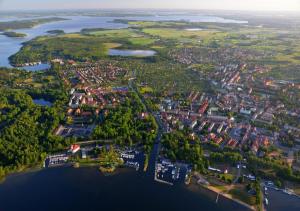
{"x": 42, "y": 102}
{"x": 67, "y": 188}
{"x": 134, "y": 53}
{"x": 43, "y": 66}
{"x": 11, "y": 45}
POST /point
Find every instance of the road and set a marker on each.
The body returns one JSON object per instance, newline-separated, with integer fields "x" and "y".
{"x": 95, "y": 141}
{"x": 238, "y": 173}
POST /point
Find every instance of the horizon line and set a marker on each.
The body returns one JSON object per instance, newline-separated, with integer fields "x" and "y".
{"x": 149, "y": 9}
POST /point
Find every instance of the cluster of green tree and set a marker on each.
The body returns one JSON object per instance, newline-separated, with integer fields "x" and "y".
{"x": 10, "y": 78}
{"x": 56, "y": 32}
{"x": 109, "y": 157}
{"x": 45, "y": 84}
{"x": 22, "y": 24}
{"x": 76, "y": 48}
{"x": 26, "y": 131}
{"x": 221, "y": 157}
{"x": 258, "y": 194}
{"x": 125, "y": 124}
{"x": 281, "y": 170}
{"x": 177, "y": 146}
{"x": 204, "y": 68}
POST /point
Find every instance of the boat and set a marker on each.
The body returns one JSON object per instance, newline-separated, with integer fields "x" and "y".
{"x": 266, "y": 201}
{"x": 288, "y": 191}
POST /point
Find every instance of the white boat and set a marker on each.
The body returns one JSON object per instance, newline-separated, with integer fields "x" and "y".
{"x": 266, "y": 201}
{"x": 288, "y": 191}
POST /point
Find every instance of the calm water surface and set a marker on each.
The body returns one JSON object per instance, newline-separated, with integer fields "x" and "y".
{"x": 43, "y": 66}
{"x": 42, "y": 102}
{"x": 87, "y": 189}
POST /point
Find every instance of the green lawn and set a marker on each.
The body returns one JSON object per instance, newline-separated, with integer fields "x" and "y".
{"x": 243, "y": 196}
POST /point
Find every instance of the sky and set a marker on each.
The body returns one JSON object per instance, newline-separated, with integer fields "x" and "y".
{"x": 277, "y": 5}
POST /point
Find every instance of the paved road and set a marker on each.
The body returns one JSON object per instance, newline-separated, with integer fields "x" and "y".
{"x": 238, "y": 173}
{"x": 95, "y": 141}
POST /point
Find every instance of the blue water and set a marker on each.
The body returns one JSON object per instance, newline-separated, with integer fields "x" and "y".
{"x": 43, "y": 66}
{"x": 135, "y": 53}
{"x": 42, "y": 102}
{"x": 88, "y": 189}
{"x": 10, "y": 45}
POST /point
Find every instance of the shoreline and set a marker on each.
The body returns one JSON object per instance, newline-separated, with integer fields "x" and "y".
{"x": 38, "y": 168}
{"x": 217, "y": 192}
{"x": 228, "y": 196}
{"x": 25, "y": 170}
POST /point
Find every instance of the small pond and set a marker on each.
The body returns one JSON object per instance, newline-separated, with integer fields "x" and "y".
{"x": 42, "y": 102}
{"x": 39, "y": 67}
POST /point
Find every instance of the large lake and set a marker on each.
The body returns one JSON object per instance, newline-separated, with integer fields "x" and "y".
{"x": 10, "y": 46}
{"x": 68, "y": 188}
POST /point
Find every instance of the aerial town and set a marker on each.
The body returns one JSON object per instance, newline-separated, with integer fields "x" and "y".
{"x": 204, "y": 106}
{"x": 240, "y": 117}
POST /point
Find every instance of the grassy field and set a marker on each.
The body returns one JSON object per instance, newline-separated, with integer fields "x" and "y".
{"x": 115, "y": 33}
{"x": 179, "y": 34}
{"x": 145, "y": 89}
{"x": 130, "y": 36}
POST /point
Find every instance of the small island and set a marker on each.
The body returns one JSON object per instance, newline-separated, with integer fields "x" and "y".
{"x": 14, "y": 34}
{"x": 109, "y": 160}
{"x": 56, "y": 32}
{"x": 27, "y": 24}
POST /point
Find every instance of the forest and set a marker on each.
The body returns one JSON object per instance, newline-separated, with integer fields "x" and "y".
{"x": 126, "y": 125}
{"x": 178, "y": 146}
{"x": 26, "y": 131}
{"x": 26, "y": 128}
{"x": 22, "y": 24}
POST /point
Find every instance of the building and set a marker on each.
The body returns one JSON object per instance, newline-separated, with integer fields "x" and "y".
{"x": 74, "y": 148}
